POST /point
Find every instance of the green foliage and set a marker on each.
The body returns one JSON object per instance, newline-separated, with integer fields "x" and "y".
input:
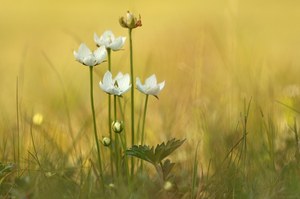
{"x": 154, "y": 156}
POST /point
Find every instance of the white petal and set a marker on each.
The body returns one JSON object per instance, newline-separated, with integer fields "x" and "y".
{"x": 107, "y": 82}
{"x": 118, "y": 76}
{"x": 106, "y": 38}
{"x": 89, "y": 60}
{"x": 100, "y": 54}
{"x": 139, "y": 85}
{"x": 151, "y": 81}
{"x": 153, "y": 91}
{"x": 75, "y": 55}
{"x": 123, "y": 83}
{"x": 108, "y": 33}
{"x": 117, "y": 44}
{"x": 161, "y": 85}
{"x": 97, "y": 39}
{"x": 107, "y": 78}
{"x": 124, "y": 91}
{"x": 83, "y": 51}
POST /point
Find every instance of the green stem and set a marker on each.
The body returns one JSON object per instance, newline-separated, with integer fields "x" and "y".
{"x": 132, "y": 97}
{"x": 144, "y": 120}
{"x": 109, "y": 114}
{"x": 116, "y": 137}
{"x": 143, "y": 126}
{"x": 123, "y": 138}
{"x": 94, "y": 121}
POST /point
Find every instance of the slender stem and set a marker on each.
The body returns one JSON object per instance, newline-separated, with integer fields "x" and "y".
{"x": 116, "y": 136}
{"x": 132, "y": 96}
{"x": 94, "y": 121}
{"x": 109, "y": 114}
{"x": 123, "y": 137}
{"x": 143, "y": 126}
{"x": 144, "y": 120}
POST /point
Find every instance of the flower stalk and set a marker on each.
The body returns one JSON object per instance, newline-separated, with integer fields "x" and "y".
{"x": 109, "y": 113}
{"x": 94, "y": 122}
{"x": 143, "y": 127}
{"x": 132, "y": 96}
{"x": 116, "y": 138}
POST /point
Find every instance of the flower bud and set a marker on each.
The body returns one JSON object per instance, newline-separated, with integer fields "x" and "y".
{"x": 111, "y": 185}
{"x": 117, "y": 126}
{"x": 130, "y": 21}
{"x": 106, "y": 141}
{"x": 168, "y": 186}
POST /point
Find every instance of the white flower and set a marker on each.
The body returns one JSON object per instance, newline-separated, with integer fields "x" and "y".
{"x": 108, "y": 40}
{"x": 89, "y": 58}
{"x": 117, "y": 86}
{"x": 150, "y": 87}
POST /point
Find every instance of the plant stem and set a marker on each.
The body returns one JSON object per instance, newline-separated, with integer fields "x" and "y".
{"x": 144, "y": 120}
{"x": 109, "y": 114}
{"x": 143, "y": 126}
{"x": 95, "y": 127}
{"x": 132, "y": 96}
{"x": 116, "y": 138}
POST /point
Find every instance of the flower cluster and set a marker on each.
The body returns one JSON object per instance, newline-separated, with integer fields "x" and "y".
{"x": 117, "y": 86}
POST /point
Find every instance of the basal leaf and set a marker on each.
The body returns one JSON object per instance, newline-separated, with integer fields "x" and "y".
{"x": 163, "y": 150}
{"x": 143, "y": 152}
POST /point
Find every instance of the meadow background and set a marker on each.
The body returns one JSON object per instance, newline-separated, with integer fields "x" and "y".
{"x": 215, "y": 57}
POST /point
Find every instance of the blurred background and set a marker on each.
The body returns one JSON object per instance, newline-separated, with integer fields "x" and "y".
{"x": 214, "y": 55}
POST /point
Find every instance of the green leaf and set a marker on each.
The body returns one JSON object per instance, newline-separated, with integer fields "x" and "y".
{"x": 143, "y": 152}
{"x": 154, "y": 156}
{"x": 163, "y": 150}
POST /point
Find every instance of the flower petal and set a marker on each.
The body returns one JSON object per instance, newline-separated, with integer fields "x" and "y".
{"x": 151, "y": 81}
{"x": 153, "y": 91}
{"x": 83, "y": 51}
{"x": 107, "y": 82}
{"x": 118, "y": 76}
{"x": 100, "y": 54}
{"x": 97, "y": 39}
{"x": 123, "y": 83}
{"x": 161, "y": 85}
{"x": 139, "y": 85}
{"x": 89, "y": 60}
{"x": 117, "y": 44}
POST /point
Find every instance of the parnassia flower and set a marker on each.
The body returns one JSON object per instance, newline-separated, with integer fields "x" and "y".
{"x": 89, "y": 58}
{"x": 108, "y": 40}
{"x": 130, "y": 21}
{"x": 150, "y": 87}
{"x": 117, "y": 86}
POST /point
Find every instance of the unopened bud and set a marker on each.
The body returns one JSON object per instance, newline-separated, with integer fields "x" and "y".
{"x": 111, "y": 185}
{"x": 106, "y": 141}
{"x": 168, "y": 186}
{"x": 117, "y": 126}
{"x": 130, "y": 21}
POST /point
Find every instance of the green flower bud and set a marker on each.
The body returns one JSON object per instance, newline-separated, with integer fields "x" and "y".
{"x": 117, "y": 126}
{"x": 130, "y": 21}
{"x": 106, "y": 141}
